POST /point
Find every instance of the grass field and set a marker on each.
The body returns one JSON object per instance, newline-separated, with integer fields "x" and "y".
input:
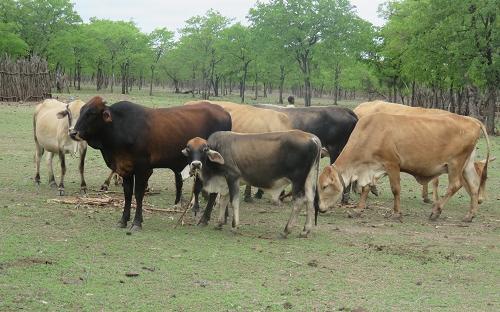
{"x": 57, "y": 257}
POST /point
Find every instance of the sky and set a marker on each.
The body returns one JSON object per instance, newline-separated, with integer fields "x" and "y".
{"x": 151, "y": 14}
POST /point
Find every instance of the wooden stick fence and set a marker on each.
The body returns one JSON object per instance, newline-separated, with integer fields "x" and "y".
{"x": 24, "y": 79}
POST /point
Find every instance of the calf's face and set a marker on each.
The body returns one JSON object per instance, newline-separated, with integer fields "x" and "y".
{"x": 199, "y": 153}
{"x": 330, "y": 188}
{"x": 94, "y": 115}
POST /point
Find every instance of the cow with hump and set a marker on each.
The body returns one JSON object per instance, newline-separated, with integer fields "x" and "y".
{"x": 331, "y": 124}
{"x": 134, "y": 139}
{"x": 52, "y": 122}
{"x": 424, "y": 146}
{"x": 267, "y": 160}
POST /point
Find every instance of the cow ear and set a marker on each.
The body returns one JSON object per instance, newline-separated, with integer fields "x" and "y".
{"x": 62, "y": 114}
{"x": 215, "y": 157}
{"x": 185, "y": 152}
{"x": 106, "y": 116}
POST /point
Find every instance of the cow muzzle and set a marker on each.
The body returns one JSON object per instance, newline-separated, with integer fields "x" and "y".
{"x": 195, "y": 165}
{"x": 74, "y": 135}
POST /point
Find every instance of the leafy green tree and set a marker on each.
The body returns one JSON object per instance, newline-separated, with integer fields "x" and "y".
{"x": 160, "y": 42}
{"x": 41, "y": 20}
{"x": 11, "y": 43}
{"x": 202, "y": 34}
{"x": 298, "y": 26}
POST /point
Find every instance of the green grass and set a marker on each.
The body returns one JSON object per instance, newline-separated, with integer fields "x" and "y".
{"x": 56, "y": 257}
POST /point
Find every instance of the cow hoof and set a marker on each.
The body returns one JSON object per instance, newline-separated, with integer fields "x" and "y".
{"x": 121, "y": 224}
{"x": 235, "y": 231}
{"x": 83, "y": 191}
{"x": 202, "y": 222}
{"x": 104, "y": 188}
{"x": 52, "y": 184}
{"x": 258, "y": 195}
{"x": 61, "y": 192}
{"x": 397, "y": 217}
{"x": 468, "y": 218}
{"x": 283, "y": 235}
{"x": 219, "y": 227}
{"x": 374, "y": 190}
{"x": 248, "y": 199}
{"x": 434, "y": 215}
{"x": 427, "y": 201}
{"x": 355, "y": 213}
{"x": 304, "y": 234}
{"x": 135, "y": 228}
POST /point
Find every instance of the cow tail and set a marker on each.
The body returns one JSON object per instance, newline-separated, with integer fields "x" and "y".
{"x": 484, "y": 174}
{"x": 37, "y": 145}
{"x": 316, "y": 194}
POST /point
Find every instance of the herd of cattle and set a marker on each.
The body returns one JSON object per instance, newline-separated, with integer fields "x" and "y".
{"x": 223, "y": 145}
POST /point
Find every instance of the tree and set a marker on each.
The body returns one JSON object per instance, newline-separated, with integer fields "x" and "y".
{"x": 41, "y": 20}
{"x": 202, "y": 34}
{"x": 298, "y": 26}
{"x": 160, "y": 41}
{"x": 11, "y": 43}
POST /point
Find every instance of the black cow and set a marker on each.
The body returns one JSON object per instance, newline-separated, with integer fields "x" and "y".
{"x": 267, "y": 160}
{"x": 331, "y": 124}
{"x": 134, "y": 139}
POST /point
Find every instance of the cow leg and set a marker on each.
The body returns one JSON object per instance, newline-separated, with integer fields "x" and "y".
{"x": 62, "y": 159}
{"x": 195, "y": 203}
{"x": 435, "y": 189}
{"x": 395, "y": 182}
{"x": 425, "y": 193}
{"x": 52, "y": 180}
{"x": 310, "y": 192}
{"x": 453, "y": 187}
{"x": 128, "y": 187}
{"x": 297, "y": 205}
{"x": 38, "y": 156}
{"x": 259, "y": 194}
{"x": 345, "y": 195}
{"x": 178, "y": 187}
{"x": 141, "y": 183}
{"x": 471, "y": 182}
{"x": 208, "y": 210}
{"x": 83, "y": 184}
{"x": 234, "y": 197}
{"x": 248, "y": 194}
{"x": 105, "y": 185}
{"x": 223, "y": 203}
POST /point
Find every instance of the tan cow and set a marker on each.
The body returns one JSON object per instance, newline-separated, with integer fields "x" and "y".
{"x": 368, "y": 108}
{"x": 52, "y": 121}
{"x": 424, "y": 146}
{"x": 250, "y": 119}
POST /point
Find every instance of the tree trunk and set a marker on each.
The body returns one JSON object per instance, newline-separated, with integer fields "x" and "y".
{"x": 491, "y": 110}
{"x": 243, "y": 81}
{"x": 256, "y": 84}
{"x": 336, "y": 84}
{"x": 282, "y": 83}
{"x": 412, "y": 103}
{"x": 79, "y": 74}
{"x": 152, "y": 79}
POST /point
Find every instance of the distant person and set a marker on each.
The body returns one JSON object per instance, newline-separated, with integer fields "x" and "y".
{"x": 291, "y": 100}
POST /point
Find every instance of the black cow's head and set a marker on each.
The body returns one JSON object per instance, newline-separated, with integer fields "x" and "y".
{"x": 198, "y": 152}
{"x": 94, "y": 116}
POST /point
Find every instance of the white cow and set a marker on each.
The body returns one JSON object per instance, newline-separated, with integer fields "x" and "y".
{"x": 52, "y": 121}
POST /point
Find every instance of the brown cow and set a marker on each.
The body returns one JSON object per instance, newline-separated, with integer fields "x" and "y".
{"x": 368, "y": 108}
{"x": 134, "y": 139}
{"x": 424, "y": 146}
{"x": 250, "y": 119}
